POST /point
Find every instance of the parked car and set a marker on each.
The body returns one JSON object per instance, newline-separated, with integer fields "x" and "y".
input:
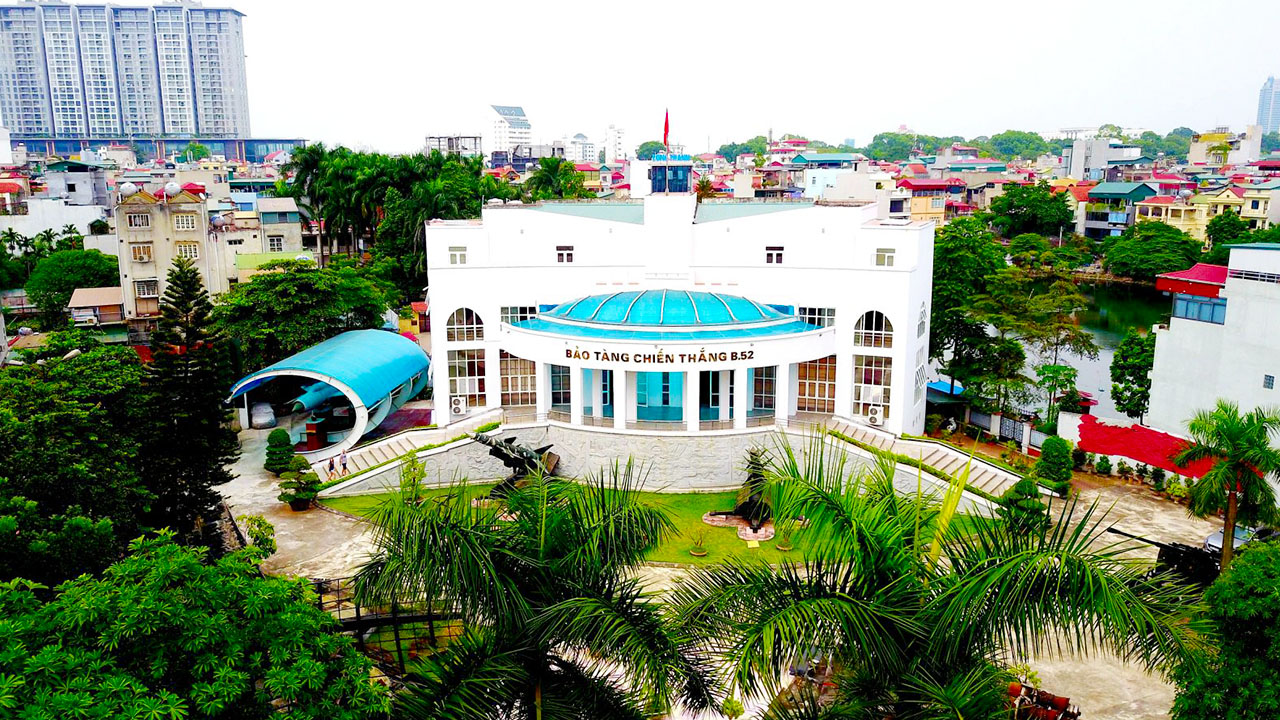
{"x": 1244, "y": 535}
{"x": 262, "y": 416}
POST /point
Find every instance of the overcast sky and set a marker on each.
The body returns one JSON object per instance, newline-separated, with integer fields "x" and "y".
{"x": 382, "y": 74}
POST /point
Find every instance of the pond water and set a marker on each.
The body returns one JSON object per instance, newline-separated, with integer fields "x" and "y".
{"x": 1113, "y": 309}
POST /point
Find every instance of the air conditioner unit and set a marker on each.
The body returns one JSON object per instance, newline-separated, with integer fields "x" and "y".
{"x": 875, "y": 415}
{"x": 458, "y": 405}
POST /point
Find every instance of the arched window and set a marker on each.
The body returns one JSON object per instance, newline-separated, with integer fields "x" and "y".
{"x": 464, "y": 326}
{"x": 873, "y": 330}
{"x": 923, "y": 323}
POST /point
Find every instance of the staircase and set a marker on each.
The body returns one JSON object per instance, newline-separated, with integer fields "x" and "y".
{"x": 982, "y": 474}
{"x": 377, "y": 452}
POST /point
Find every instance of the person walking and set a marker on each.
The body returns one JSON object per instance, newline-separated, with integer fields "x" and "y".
{"x": 333, "y": 470}
{"x": 343, "y": 460}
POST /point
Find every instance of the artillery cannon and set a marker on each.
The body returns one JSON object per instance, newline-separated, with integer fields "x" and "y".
{"x": 1193, "y": 564}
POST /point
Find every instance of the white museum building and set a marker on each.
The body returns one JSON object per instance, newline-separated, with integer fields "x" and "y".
{"x": 665, "y": 315}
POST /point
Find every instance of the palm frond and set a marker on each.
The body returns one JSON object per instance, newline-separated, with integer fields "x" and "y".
{"x": 476, "y": 679}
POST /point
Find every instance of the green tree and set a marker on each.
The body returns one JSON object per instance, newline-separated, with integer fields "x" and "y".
{"x": 1243, "y": 461}
{"x": 165, "y": 634}
{"x": 1027, "y": 248}
{"x": 556, "y": 178}
{"x": 189, "y": 377}
{"x": 1054, "y": 464}
{"x": 648, "y": 149}
{"x": 891, "y": 146}
{"x": 1271, "y": 142}
{"x": 1111, "y": 130}
{"x": 1226, "y": 228}
{"x": 1022, "y": 510}
{"x": 194, "y": 152}
{"x": 58, "y": 275}
{"x": 1239, "y": 680}
{"x": 295, "y": 305}
{"x": 48, "y": 548}
{"x": 1054, "y": 380}
{"x": 757, "y": 145}
{"x": 544, "y": 579}
{"x": 1012, "y": 144}
{"x": 1149, "y": 248}
{"x": 914, "y": 615}
{"x": 704, "y": 190}
{"x": 964, "y": 255}
{"x": 1131, "y": 373}
{"x": 991, "y": 369}
{"x": 1030, "y": 209}
{"x": 1052, "y": 327}
{"x": 1006, "y": 302}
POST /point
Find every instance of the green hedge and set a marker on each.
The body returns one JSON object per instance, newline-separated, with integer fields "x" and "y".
{"x": 913, "y": 462}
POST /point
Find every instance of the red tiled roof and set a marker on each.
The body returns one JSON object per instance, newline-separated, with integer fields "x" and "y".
{"x": 917, "y": 168}
{"x": 929, "y": 183}
{"x": 1136, "y": 442}
{"x": 1159, "y": 200}
{"x": 9, "y": 188}
{"x": 1237, "y": 191}
{"x": 1199, "y": 273}
{"x": 585, "y": 167}
{"x": 420, "y": 308}
{"x": 623, "y": 186}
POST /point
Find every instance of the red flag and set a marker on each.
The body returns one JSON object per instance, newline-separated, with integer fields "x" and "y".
{"x": 666, "y": 127}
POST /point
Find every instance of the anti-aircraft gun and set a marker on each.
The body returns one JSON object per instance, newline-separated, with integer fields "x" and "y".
{"x": 520, "y": 460}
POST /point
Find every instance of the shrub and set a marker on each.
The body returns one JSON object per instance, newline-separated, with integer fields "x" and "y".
{"x": 299, "y": 487}
{"x": 1142, "y": 472}
{"x": 973, "y": 431}
{"x": 1021, "y": 509}
{"x": 732, "y": 709}
{"x": 932, "y": 423}
{"x": 1177, "y": 489}
{"x": 279, "y": 451}
{"x": 1054, "y": 465}
{"x": 699, "y": 538}
{"x": 1078, "y": 458}
{"x": 1103, "y": 466}
{"x": 1157, "y": 478}
{"x": 1091, "y": 459}
{"x": 1049, "y": 428}
{"x": 1123, "y": 469}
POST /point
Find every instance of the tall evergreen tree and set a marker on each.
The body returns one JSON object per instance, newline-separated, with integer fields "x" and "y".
{"x": 189, "y": 377}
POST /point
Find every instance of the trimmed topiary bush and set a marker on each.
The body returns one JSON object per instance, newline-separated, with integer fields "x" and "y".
{"x": 279, "y": 451}
{"x": 1103, "y": 466}
{"x": 1054, "y": 465}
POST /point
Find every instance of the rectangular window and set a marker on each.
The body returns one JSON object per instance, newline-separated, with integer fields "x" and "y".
{"x": 190, "y": 251}
{"x": 458, "y": 255}
{"x": 817, "y": 387}
{"x": 564, "y": 253}
{"x": 884, "y": 257}
{"x": 1268, "y": 382}
{"x": 1253, "y": 206}
{"x": 764, "y": 387}
{"x": 937, "y": 203}
{"x": 275, "y": 243}
{"x": 71, "y": 187}
{"x": 235, "y": 241}
{"x": 822, "y": 317}
{"x": 872, "y": 376}
{"x": 146, "y": 288}
{"x": 184, "y": 222}
{"x": 138, "y": 221}
{"x": 642, "y": 389}
{"x": 773, "y": 255}
{"x": 519, "y": 380}
{"x": 466, "y": 376}
{"x": 560, "y": 388}
{"x": 666, "y": 389}
{"x": 141, "y": 252}
{"x": 1200, "y": 309}
{"x": 517, "y": 313}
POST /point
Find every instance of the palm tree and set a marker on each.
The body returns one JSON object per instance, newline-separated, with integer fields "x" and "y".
{"x": 704, "y": 189}
{"x": 913, "y": 615}
{"x": 557, "y": 626}
{"x": 1240, "y": 446}
{"x": 1222, "y": 150}
{"x": 556, "y": 178}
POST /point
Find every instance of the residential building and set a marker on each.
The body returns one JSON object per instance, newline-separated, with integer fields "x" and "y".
{"x": 578, "y": 149}
{"x": 590, "y": 176}
{"x": 1269, "y": 106}
{"x": 464, "y": 145}
{"x": 615, "y": 145}
{"x": 76, "y": 182}
{"x": 1221, "y": 340}
{"x": 1223, "y": 147}
{"x": 99, "y": 71}
{"x": 154, "y": 230}
{"x": 507, "y": 128}
{"x": 929, "y": 197}
{"x": 34, "y": 214}
{"x": 665, "y": 315}
{"x": 1111, "y": 208}
{"x": 1090, "y": 159}
{"x": 1181, "y": 212}
{"x": 100, "y": 308}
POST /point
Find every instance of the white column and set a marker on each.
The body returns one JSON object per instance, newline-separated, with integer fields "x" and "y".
{"x": 691, "y": 385}
{"x": 624, "y": 398}
{"x": 597, "y": 393}
{"x": 724, "y": 394}
{"x": 741, "y": 397}
{"x": 782, "y": 394}
{"x": 542, "y": 389}
{"x": 575, "y": 395}
{"x": 844, "y": 384}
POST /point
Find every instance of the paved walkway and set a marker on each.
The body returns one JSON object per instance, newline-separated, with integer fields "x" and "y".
{"x": 320, "y": 544}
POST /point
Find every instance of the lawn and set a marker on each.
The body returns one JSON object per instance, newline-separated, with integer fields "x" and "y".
{"x": 686, "y": 511}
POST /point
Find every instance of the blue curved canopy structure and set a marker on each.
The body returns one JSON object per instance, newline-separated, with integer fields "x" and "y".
{"x": 665, "y": 315}
{"x": 376, "y": 370}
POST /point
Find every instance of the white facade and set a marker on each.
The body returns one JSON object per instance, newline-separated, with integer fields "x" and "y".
{"x": 101, "y": 70}
{"x": 838, "y": 267}
{"x": 506, "y": 127}
{"x": 56, "y": 213}
{"x": 615, "y": 145}
{"x": 579, "y": 149}
{"x": 1089, "y": 159}
{"x": 1197, "y": 361}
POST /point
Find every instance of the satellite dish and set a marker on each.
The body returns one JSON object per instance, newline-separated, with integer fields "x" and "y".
{"x": 128, "y": 190}
{"x": 1185, "y": 193}
{"x": 171, "y": 189}
{"x": 218, "y": 221}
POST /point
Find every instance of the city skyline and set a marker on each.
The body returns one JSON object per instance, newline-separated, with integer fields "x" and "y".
{"x": 944, "y": 72}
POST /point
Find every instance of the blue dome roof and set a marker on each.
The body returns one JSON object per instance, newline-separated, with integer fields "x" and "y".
{"x": 666, "y": 308}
